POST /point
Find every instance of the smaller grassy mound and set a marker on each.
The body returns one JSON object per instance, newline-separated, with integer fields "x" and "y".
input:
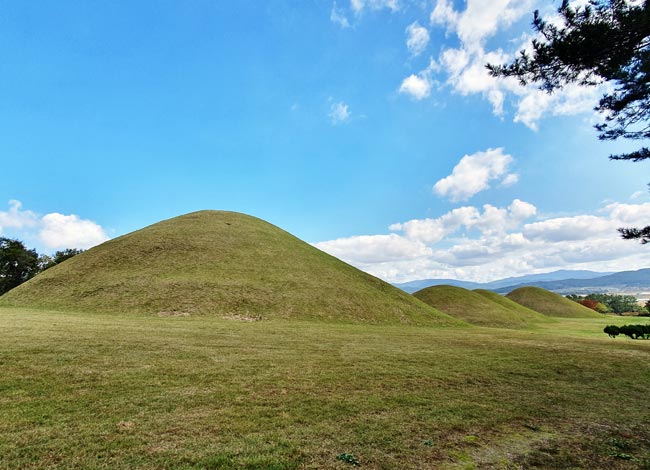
{"x": 523, "y": 312}
{"x": 475, "y": 308}
{"x": 549, "y": 303}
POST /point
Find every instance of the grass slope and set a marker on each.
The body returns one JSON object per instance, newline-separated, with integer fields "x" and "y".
{"x": 518, "y": 309}
{"x": 219, "y": 263}
{"x": 97, "y": 391}
{"x": 475, "y": 308}
{"x": 550, "y": 303}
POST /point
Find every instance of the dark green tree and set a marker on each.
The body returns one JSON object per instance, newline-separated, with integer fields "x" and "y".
{"x": 17, "y": 264}
{"x": 58, "y": 257}
{"x": 605, "y": 41}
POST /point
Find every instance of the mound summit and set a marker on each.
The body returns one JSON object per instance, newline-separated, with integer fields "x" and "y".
{"x": 219, "y": 263}
{"x": 551, "y": 304}
{"x": 478, "y": 308}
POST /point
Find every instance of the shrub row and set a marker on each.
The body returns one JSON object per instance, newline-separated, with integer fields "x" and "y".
{"x": 631, "y": 331}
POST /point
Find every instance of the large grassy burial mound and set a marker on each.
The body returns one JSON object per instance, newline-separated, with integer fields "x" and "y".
{"x": 475, "y": 308}
{"x": 550, "y": 303}
{"x": 521, "y": 311}
{"x": 219, "y": 263}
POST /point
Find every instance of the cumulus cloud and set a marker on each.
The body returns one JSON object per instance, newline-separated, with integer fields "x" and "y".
{"x": 69, "y": 231}
{"x": 462, "y": 68}
{"x": 375, "y": 248}
{"x": 419, "y": 86}
{"x": 474, "y": 173}
{"x": 53, "y": 230}
{"x": 15, "y": 217}
{"x": 339, "y": 113}
{"x": 416, "y": 86}
{"x": 417, "y": 38}
{"x": 490, "y": 242}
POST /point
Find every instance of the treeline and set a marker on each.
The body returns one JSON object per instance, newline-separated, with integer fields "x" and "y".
{"x": 611, "y": 303}
{"x": 19, "y": 264}
{"x": 631, "y": 331}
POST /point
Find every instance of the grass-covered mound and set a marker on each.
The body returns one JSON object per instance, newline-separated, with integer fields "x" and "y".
{"x": 523, "y": 312}
{"x": 475, "y": 308}
{"x": 549, "y": 303}
{"x": 219, "y": 263}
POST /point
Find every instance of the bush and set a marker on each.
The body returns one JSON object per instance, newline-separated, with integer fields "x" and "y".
{"x": 631, "y": 331}
{"x": 612, "y": 330}
{"x": 589, "y": 303}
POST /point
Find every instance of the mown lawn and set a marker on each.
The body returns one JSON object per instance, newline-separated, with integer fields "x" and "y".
{"x": 107, "y": 391}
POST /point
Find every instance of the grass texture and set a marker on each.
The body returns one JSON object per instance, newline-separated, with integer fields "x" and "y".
{"x": 550, "y": 303}
{"x": 482, "y": 308}
{"x": 224, "y": 264}
{"x": 112, "y": 391}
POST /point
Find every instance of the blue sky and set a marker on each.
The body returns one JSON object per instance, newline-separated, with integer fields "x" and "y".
{"x": 345, "y": 123}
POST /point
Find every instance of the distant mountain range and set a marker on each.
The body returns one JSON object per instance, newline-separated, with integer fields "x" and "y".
{"x": 562, "y": 282}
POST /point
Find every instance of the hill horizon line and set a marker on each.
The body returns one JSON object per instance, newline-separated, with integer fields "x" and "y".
{"x": 560, "y": 281}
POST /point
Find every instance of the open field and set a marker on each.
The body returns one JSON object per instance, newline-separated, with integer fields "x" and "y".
{"x": 116, "y": 391}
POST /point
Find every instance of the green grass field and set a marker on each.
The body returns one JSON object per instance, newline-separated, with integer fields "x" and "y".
{"x": 82, "y": 390}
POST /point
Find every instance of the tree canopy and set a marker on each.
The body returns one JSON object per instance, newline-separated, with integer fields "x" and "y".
{"x": 604, "y": 41}
{"x": 17, "y": 264}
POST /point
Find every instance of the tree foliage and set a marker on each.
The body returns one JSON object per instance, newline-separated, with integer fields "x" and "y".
{"x": 58, "y": 257}
{"x": 631, "y": 331}
{"x": 604, "y": 41}
{"x": 17, "y": 264}
{"x": 616, "y": 303}
{"x": 589, "y": 303}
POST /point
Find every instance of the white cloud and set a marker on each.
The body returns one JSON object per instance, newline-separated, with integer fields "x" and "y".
{"x": 462, "y": 68}
{"x": 494, "y": 242}
{"x": 69, "y": 231}
{"x": 375, "y": 248}
{"x": 473, "y": 174}
{"x": 338, "y": 17}
{"x": 510, "y": 179}
{"x": 339, "y": 113}
{"x": 359, "y": 5}
{"x": 433, "y": 230}
{"x": 15, "y": 217}
{"x": 568, "y": 228}
{"x": 53, "y": 230}
{"x": 417, "y": 38}
{"x": 521, "y": 210}
{"x": 482, "y": 19}
{"x": 417, "y": 86}
{"x": 444, "y": 14}
{"x": 633, "y": 214}
{"x": 637, "y": 195}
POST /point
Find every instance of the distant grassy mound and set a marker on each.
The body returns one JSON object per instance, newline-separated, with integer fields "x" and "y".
{"x": 550, "y": 303}
{"x": 219, "y": 263}
{"x": 520, "y": 310}
{"x": 475, "y": 308}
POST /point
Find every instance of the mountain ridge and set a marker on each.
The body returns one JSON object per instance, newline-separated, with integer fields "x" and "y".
{"x": 566, "y": 282}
